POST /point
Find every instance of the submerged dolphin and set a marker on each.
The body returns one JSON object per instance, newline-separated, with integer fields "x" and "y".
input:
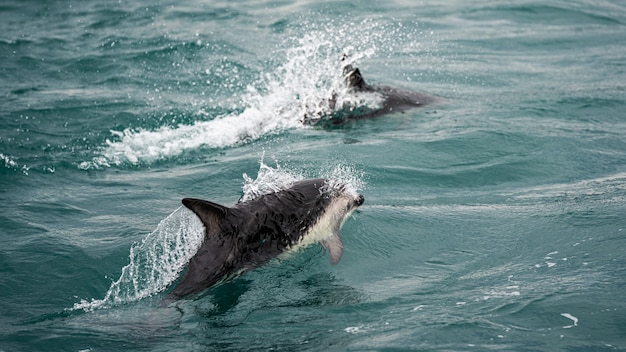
{"x": 393, "y": 100}
{"x": 251, "y": 233}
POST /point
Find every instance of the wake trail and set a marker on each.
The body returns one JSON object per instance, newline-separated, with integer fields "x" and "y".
{"x": 309, "y": 83}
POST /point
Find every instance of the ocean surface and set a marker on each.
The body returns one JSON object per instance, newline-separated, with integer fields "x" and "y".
{"x": 494, "y": 219}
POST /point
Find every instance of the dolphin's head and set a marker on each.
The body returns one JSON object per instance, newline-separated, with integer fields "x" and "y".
{"x": 341, "y": 201}
{"x": 350, "y": 201}
{"x": 344, "y": 193}
{"x": 360, "y": 200}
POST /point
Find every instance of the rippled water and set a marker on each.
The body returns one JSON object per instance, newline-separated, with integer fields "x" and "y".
{"x": 493, "y": 219}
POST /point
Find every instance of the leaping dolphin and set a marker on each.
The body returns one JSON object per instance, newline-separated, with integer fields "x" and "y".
{"x": 251, "y": 233}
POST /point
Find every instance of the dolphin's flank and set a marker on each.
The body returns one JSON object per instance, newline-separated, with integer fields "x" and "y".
{"x": 249, "y": 234}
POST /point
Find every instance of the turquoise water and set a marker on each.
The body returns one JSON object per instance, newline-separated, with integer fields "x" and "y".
{"x": 494, "y": 220}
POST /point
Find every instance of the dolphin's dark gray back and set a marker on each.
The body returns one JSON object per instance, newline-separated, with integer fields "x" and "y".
{"x": 249, "y": 234}
{"x": 394, "y": 99}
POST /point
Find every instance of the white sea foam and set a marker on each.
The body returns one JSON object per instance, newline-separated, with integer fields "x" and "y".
{"x": 354, "y": 329}
{"x": 9, "y": 163}
{"x": 572, "y": 318}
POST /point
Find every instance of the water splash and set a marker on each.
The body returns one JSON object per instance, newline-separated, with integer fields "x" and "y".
{"x": 306, "y": 88}
{"x": 297, "y": 93}
{"x": 269, "y": 179}
{"x": 346, "y": 177}
{"x": 155, "y": 263}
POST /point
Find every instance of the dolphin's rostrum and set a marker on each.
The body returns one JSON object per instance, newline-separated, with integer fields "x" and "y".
{"x": 251, "y": 233}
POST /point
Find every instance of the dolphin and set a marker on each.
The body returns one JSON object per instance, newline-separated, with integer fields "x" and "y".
{"x": 243, "y": 237}
{"x": 393, "y": 99}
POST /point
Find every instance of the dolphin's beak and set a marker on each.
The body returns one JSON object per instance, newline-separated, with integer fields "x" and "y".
{"x": 360, "y": 200}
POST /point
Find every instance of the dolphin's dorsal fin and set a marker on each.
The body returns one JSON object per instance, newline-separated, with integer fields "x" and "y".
{"x": 210, "y": 213}
{"x": 334, "y": 246}
{"x": 355, "y": 79}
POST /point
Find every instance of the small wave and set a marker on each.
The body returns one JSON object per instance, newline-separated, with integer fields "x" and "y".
{"x": 606, "y": 189}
